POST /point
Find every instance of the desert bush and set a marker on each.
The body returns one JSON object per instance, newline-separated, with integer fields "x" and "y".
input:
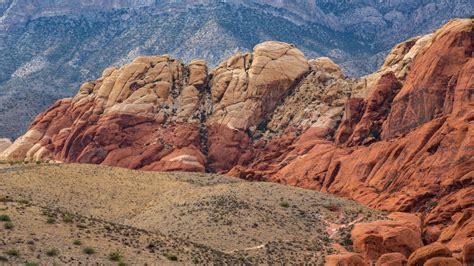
{"x": 88, "y": 250}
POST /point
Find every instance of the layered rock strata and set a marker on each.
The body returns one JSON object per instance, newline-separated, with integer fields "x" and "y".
{"x": 401, "y": 139}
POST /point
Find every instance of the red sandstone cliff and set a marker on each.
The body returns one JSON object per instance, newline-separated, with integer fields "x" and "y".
{"x": 401, "y": 139}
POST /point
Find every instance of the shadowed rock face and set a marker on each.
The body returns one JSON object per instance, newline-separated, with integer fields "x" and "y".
{"x": 400, "y": 139}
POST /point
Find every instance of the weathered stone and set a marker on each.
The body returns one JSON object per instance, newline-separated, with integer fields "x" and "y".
{"x": 422, "y": 255}
{"x": 346, "y": 259}
{"x": 392, "y": 259}
{"x": 400, "y": 235}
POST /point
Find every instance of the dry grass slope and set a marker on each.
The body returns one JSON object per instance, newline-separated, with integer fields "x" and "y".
{"x": 141, "y": 217}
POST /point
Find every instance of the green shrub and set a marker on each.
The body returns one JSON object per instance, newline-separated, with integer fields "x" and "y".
{"x": 51, "y": 220}
{"x": 89, "y": 250}
{"x": 5, "y": 218}
{"x": 52, "y": 252}
{"x": 8, "y": 225}
{"x": 284, "y": 204}
{"x": 172, "y": 257}
{"x": 13, "y": 252}
{"x": 77, "y": 242}
{"x": 68, "y": 217}
{"x": 115, "y": 256}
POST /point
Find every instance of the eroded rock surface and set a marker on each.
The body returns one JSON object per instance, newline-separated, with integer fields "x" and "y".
{"x": 400, "y": 139}
{"x": 401, "y": 234}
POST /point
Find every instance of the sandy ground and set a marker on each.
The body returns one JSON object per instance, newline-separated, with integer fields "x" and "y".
{"x": 159, "y": 217}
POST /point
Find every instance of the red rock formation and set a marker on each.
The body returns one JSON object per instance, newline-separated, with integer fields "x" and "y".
{"x": 401, "y": 235}
{"x": 392, "y": 259}
{"x": 405, "y": 142}
{"x": 364, "y": 120}
{"x": 422, "y": 255}
{"x": 346, "y": 259}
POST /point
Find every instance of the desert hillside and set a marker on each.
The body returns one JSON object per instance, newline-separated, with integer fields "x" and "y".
{"x": 147, "y": 217}
{"x": 397, "y": 140}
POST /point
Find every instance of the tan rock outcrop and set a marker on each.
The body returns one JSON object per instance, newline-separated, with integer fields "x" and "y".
{"x": 399, "y": 61}
{"x": 317, "y": 101}
{"x": 247, "y": 87}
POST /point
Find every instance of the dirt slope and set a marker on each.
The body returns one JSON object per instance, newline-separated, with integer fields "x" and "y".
{"x": 197, "y": 217}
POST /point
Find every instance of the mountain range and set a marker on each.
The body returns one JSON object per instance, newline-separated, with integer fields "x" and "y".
{"x": 48, "y": 47}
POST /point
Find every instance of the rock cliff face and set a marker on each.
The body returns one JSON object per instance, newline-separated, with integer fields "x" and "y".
{"x": 49, "y": 47}
{"x": 400, "y": 139}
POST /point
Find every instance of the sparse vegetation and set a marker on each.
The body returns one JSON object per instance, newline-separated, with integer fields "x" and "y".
{"x": 121, "y": 263}
{"x": 89, "y": 250}
{"x": 172, "y": 257}
{"x": 115, "y": 256}
{"x": 345, "y": 237}
{"x": 13, "y": 252}
{"x": 297, "y": 209}
{"x": 31, "y": 264}
{"x": 51, "y": 220}
{"x": 8, "y": 225}
{"x": 5, "y": 218}
{"x": 68, "y": 217}
{"x": 52, "y": 252}
{"x": 331, "y": 206}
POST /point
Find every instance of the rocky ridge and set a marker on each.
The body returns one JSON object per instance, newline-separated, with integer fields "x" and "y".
{"x": 396, "y": 140}
{"x": 49, "y": 47}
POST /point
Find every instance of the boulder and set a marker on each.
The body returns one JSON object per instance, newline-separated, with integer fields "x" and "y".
{"x": 468, "y": 252}
{"x": 346, "y": 259}
{"x": 423, "y": 254}
{"x": 392, "y": 259}
{"x": 440, "y": 261}
{"x": 460, "y": 233}
{"x": 401, "y": 234}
